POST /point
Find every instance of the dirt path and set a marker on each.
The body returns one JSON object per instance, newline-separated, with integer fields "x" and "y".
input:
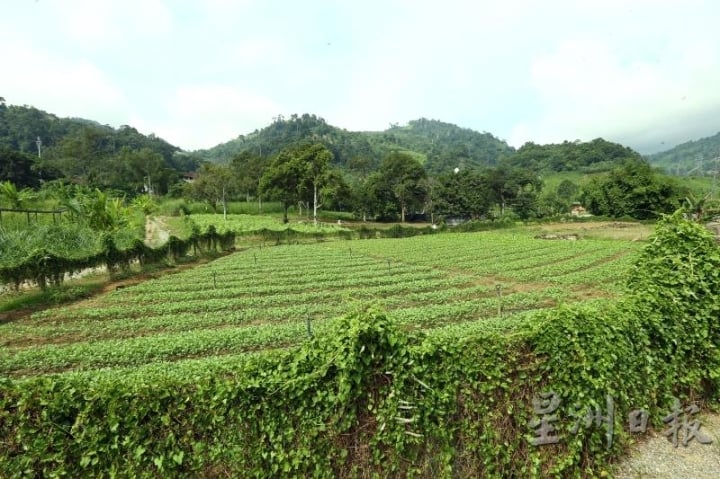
{"x": 654, "y": 456}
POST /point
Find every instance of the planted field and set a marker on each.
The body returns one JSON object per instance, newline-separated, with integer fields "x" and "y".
{"x": 252, "y": 223}
{"x": 270, "y": 298}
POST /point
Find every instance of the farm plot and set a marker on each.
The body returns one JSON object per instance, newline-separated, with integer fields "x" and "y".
{"x": 266, "y": 299}
{"x": 253, "y": 223}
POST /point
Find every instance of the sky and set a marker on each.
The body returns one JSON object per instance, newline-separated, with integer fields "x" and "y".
{"x": 198, "y": 73}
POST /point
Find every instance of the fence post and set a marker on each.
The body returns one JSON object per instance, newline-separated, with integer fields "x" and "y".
{"x": 498, "y": 290}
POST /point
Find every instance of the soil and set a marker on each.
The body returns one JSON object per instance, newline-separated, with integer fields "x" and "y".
{"x": 655, "y": 457}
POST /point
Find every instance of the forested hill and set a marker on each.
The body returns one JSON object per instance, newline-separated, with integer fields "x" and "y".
{"x": 21, "y": 126}
{"x": 84, "y": 151}
{"x": 587, "y": 157}
{"x": 283, "y": 132}
{"x": 698, "y": 158}
{"x": 441, "y": 147}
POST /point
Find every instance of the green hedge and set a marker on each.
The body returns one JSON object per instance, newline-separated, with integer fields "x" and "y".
{"x": 292, "y": 236}
{"x": 45, "y": 267}
{"x": 368, "y": 400}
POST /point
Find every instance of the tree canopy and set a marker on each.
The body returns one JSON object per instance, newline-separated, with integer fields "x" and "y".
{"x": 632, "y": 190}
{"x": 398, "y": 187}
{"x": 298, "y": 173}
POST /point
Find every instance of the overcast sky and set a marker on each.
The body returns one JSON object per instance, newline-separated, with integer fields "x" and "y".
{"x": 197, "y": 73}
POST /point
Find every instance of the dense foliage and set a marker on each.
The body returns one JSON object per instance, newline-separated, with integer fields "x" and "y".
{"x": 494, "y": 178}
{"x": 38, "y": 146}
{"x": 282, "y": 133}
{"x": 398, "y": 188}
{"x": 587, "y": 157}
{"x": 440, "y": 146}
{"x": 632, "y": 190}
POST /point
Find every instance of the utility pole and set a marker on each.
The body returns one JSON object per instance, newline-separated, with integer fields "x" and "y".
{"x": 38, "y": 142}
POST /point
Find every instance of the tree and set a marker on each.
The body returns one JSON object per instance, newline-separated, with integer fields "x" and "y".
{"x": 140, "y": 171}
{"x": 315, "y": 160}
{"x": 514, "y": 187}
{"x": 335, "y": 193}
{"x": 282, "y": 179}
{"x": 363, "y": 201}
{"x": 17, "y": 167}
{"x": 215, "y": 183}
{"x": 248, "y": 168}
{"x": 399, "y": 185}
{"x": 465, "y": 194}
{"x": 567, "y": 190}
{"x": 634, "y": 190}
{"x": 301, "y": 173}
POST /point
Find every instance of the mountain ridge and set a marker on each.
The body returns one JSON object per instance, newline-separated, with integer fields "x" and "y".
{"x": 439, "y": 146}
{"x": 699, "y": 157}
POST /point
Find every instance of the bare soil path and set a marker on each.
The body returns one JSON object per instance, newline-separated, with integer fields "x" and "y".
{"x": 654, "y": 457}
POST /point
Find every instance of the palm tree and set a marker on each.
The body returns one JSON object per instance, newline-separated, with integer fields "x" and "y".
{"x": 696, "y": 206}
{"x": 16, "y": 198}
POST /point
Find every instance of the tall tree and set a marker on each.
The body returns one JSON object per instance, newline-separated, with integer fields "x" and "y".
{"x": 465, "y": 194}
{"x": 316, "y": 160}
{"x": 399, "y": 186}
{"x": 248, "y": 168}
{"x": 514, "y": 187}
{"x": 215, "y": 183}
{"x": 17, "y": 167}
{"x": 140, "y": 171}
{"x": 282, "y": 179}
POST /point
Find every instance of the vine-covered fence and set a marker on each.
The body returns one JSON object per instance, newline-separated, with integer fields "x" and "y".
{"x": 43, "y": 267}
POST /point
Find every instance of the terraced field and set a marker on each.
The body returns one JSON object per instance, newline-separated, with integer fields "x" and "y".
{"x": 261, "y": 300}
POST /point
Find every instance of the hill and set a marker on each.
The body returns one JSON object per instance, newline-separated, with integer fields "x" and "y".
{"x": 441, "y": 147}
{"x": 36, "y": 145}
{"x": 283, "y": 132}
{"x": 698, "y": 158}
{"x": 594, "y": 156}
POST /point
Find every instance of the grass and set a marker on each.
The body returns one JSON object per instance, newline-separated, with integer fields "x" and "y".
{"x": 611, "y": 230}
{"x": 56, "y": 295}
{"x": 179, "y": 206}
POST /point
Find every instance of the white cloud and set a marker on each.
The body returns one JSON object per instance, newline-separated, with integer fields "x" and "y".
{"x": 103, "y": 23}
{"x": 199, "y": 73}
{"x": 588, "y": 90}
{"x": 201, "y": 116}
{"x": 61, "y": 86}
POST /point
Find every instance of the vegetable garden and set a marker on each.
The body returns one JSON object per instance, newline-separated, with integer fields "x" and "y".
{"x": 268, "y": 362}
{"x": 264, "y": 298}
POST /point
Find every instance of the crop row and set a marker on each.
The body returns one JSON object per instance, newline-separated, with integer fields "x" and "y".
{"x": 203, "y": 305}
{"x": 323, "y": 303}
{"x": 504, "y": 253}
{"x": 229, "y": 340}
